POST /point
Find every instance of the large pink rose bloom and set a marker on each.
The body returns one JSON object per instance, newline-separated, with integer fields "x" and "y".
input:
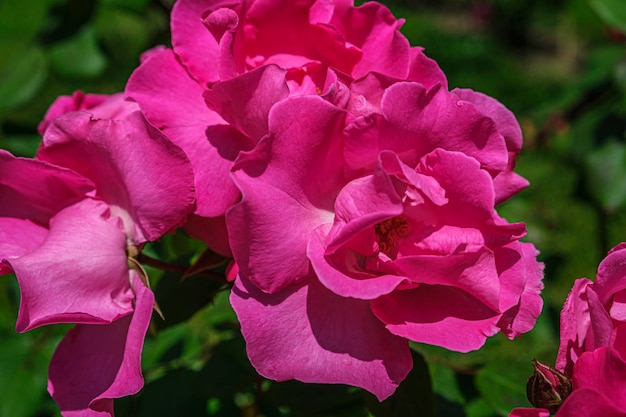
{"x": 356, "y": 233}
{"x": 71, "y": 222}
{"x": 232, "y": 61}
{"x": 592, "y": 352}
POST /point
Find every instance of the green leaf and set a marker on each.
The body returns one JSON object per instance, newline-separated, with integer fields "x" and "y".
{"x": 503, "y": 385}
{"x": 20, "y": 81}
{"x": 79, "y": 57}
{"x": 613, "y": 12}
{"x": 606, "y": 171}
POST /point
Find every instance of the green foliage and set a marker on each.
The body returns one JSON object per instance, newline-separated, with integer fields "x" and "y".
{"x": 560, "y": 66}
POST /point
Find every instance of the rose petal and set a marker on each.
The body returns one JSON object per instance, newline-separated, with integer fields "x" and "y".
{"x": 437, "y": 315}
{"x": 309, "y": 334}
{"x": 79, "y": 274}
{"x": 35, "y": 190}
{"x": 245, "y": 101}
{"x": 147, "y": 181}
{"x": 173, "y": 102}
{"x": 585, "y": 325}
{"x": 288, "y": 182}
{"x": 17, "y": 238}
{"x": 194, "y": 44}
{"x": 520, "y": 299}
{"x": 334, "y": 275}
{"x": 94, "y": 364}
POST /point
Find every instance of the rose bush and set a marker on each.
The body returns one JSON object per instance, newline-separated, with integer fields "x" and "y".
{"x": 73, "y": 222}
{"x": 360, "y": 229}
{"x": 592, "y": 352}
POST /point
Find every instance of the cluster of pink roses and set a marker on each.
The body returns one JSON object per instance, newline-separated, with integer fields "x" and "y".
{"x": 309, "y": 141}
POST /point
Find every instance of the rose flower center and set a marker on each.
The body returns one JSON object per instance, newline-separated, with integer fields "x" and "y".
{"x": 389, "y": 233}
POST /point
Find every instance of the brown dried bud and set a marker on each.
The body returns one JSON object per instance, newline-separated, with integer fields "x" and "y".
{"x": 547, "y": 387}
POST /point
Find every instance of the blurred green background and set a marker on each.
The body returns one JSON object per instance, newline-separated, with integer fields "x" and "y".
{"x": 559, "y": 65}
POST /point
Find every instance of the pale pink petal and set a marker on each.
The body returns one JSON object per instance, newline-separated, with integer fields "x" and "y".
{"x": 79, "y": 274}
{"x": 172, "y": 101}
{"x": 309, "y": 334}
{"x": 145, "y": 178}
{"x": 95, "y": 364}
{"x": 437, "y": 315}
{"x": 245, "y": 101}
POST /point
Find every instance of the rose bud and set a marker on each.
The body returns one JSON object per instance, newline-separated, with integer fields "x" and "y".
{"x": 547, "y": 387}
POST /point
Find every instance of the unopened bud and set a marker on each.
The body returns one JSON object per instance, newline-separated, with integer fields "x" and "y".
{"x": 547, "y": 387}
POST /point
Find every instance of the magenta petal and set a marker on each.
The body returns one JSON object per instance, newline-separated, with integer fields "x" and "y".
{"x": 604, "y": 371}
{"x": 210, "y": 230}
{"x": 95, "y": 364}
{"x": 611, "y": 277}
{"x": 472, "y": 271}
{"x": 520, "y": 299}
{"x": 173, "y": 102}
{"x": 193, "y": 43}
{"x": 362, "y": 203}
{"x": 245, "y": 101}
{"x": 309, "y": 334}
{"x": 438, "y": 119}
{"x": 589, "y": 403}
{"x": 17, "y": 238}
{"x": 145, "y": 178}
{"x": 358, "y": 284}
{"x": 288, "y": 182}
{"x": 424, "y": 70}
{"x": 437, "y": 315}
{"x": 384, "y": 48}
{"x": 529, "y": 412}
{"x": 79, "y": 274}
{"x": 35, "y": 190}
{"x": 585, "y": 325}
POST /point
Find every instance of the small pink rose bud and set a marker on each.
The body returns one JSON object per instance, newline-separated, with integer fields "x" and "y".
{"x": 547, "y": 387}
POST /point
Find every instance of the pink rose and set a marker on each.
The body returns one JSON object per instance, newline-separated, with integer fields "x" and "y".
{"x": 592, "y": 352}
{"x": 232, "y": 61}
{"x": 358, "y": 232}
{"x": 72, "y": 223}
